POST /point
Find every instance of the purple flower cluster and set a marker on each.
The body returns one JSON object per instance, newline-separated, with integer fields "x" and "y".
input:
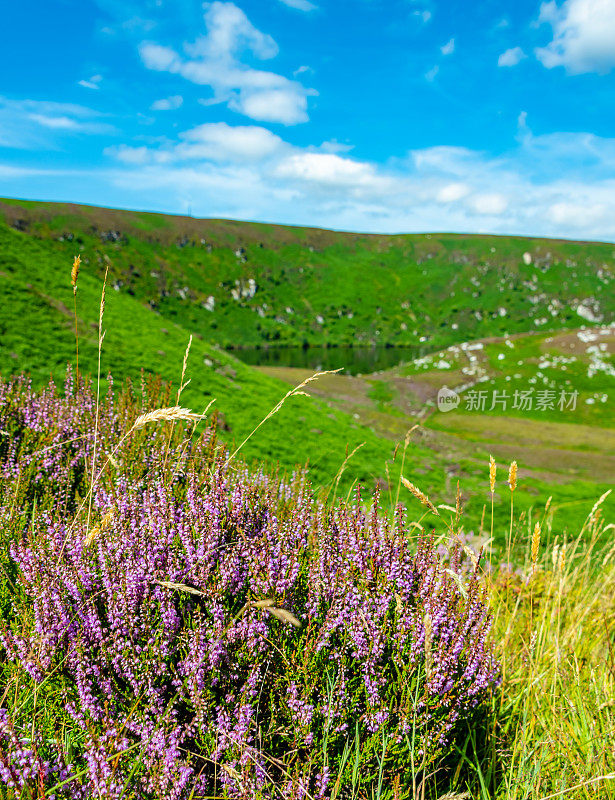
{"x": 178, "y": 679}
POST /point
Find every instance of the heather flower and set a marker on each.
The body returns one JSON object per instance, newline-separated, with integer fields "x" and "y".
{"x": 217, "y": 620}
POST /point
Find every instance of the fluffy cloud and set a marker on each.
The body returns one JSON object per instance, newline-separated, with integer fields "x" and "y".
{"x": 583, "y": 35}
{"x": 449, "y": 48}
{"x": 214, "y": 60}
{"x": 334, "y": 173}
{"x": 215, "y": 141}
{"x": 221, "y": 142}
{"x": 490, "y": 204}
{"x": 510, "y": 58}
{"x": 452, "y": 192}
{"x": 167, "y": 103}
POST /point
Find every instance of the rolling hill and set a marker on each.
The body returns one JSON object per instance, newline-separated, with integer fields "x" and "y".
{"x": 247, "y": 285}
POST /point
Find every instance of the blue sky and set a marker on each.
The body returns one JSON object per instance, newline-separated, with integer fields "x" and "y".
{"x": 370, "y": 115}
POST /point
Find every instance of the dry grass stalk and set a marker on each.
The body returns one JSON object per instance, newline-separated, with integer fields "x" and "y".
{"x": 420, "y": 496}
{"x": 267, "y": 604}
{"x": 340, "y": 471}
{"x": 512, "y": 476}
{"x": 599, "y": 502}
{"x": 95, "y": 532}
{"x": 561, "y": 562}
{"x": 73, "y": 279}
{"x": 169, "y": 414}
{"x": 407, "y": 438}
{"x": 283, "y": 615}
{"x": 535, "y": 545}
{"x": 180, "y": 587}
{"x": 101, "y": 336}
{"x": 492, "y": 472}
{"x": 428, "y": 639}
{"x": 183, "y": 385}
{"x": 292, "y": 393}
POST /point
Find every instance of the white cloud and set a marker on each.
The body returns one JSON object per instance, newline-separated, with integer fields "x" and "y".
{"x": 583, "y": 35}
{"x": 333, "y": 172}
{"x": 333, "y": 146}
{"x": 214, "y": 60}
{"x": 133, "y": 155}
{"x": 511, "y": 57}
{"x": 58, "y": 122}
{"x": 167, "y": 103}
{"x": 214, "y": 141}
{"x": 449, "y": 48}
{"x": 577, "y": 216}
{"x": 489, "y": 204}
{"x": 452, "y": 192}
{"x": 424, "y": 15}
{"x": 443, "y": 160}
{"x": 28, "y": 124}
{"x": 91, "y": 83}
{"x": 431, "y": 74}
{"x": 272, "y": 105}
{"x": 222, "y": 142}
{"x": 159, "y": 58}
{"x": 300, "y": 5}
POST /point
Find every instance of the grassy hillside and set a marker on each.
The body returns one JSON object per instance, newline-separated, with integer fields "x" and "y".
{"x": 245, "y": 284}
{"x": 341, "y": 289}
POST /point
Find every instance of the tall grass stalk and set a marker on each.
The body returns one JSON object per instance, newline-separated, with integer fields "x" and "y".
{"x": 101, "y": 336}
{"x": 298, "y": 390}
{"x": 73, "y": 279}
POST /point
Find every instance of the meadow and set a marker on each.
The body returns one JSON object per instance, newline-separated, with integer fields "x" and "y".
{"x": 226, "y": 581}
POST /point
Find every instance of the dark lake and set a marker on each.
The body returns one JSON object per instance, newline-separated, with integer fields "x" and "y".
{"x": 354, "y": 360}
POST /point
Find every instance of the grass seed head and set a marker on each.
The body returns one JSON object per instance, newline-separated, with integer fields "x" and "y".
{"x": 169, "y": 414}
{"x": 535, "y": 543}
{"x": 75, "y": 272}
{"x": 103, "y": 525}
{"x": 512, "y": 476}
{"x": 492, "y": 471}
{"x": 420, "y": 496}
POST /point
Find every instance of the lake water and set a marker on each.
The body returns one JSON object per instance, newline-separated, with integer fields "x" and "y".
{"x": 354, "y": 360}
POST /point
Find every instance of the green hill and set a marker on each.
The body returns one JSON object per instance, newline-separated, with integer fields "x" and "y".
{"x": 245, "y": 284}
{"x": 249, "y": 285}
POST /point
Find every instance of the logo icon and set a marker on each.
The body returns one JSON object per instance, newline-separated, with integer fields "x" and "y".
{"x": 447, "y": 399}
